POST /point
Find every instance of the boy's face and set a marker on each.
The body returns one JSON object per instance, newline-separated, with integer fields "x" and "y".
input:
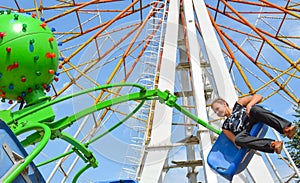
{"x": 219, "y": 109}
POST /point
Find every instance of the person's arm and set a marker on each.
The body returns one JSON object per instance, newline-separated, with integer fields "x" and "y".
{"x": 248, "y": 102}
{"x": 231, "y": 137}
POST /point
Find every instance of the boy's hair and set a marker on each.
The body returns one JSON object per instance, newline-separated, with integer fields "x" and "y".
{"x": 220, "y": 101}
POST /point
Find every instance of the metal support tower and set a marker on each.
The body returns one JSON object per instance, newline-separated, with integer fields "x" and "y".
{"x": 203, "y": 72}
{"x": 154, "y": 32}
{"x": 154, "y": 157}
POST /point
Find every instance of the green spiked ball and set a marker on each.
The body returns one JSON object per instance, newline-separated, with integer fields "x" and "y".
{"x": 28, "y": 57}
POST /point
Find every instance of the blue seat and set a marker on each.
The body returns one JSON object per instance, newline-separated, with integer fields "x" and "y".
{"x": 119, "y": 181}
{"x": 226, "y": 159}
{"x": 10, "y": 141}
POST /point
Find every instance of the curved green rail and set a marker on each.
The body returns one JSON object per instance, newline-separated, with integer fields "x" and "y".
{"x": 36, "y": 108}
{"x": 80, "y": 172}
{"x": 34, "y": 153}
{"x": 54, "y": 129}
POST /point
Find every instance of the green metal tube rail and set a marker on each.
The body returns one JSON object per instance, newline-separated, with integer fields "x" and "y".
{"x": 54, "y": 129}
{"x": 34, "y": 153}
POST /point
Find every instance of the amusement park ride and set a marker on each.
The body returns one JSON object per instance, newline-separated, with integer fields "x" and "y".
{"x": 134, "y": 81}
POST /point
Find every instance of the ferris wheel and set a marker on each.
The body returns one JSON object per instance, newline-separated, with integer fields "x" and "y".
{"x": 104, "y": 42}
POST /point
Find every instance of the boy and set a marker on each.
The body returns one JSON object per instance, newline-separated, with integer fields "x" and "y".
{"x": 240, "y": 119}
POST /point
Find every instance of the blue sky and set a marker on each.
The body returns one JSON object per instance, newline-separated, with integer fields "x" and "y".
{"x": 111, "y": 157}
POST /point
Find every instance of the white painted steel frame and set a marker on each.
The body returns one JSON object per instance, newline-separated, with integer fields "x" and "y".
{"x": 224, "y": 84}
{"x": 198, "y": 87}
{"x": 162, "y": 120}
{"x": 186, "y": 101}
